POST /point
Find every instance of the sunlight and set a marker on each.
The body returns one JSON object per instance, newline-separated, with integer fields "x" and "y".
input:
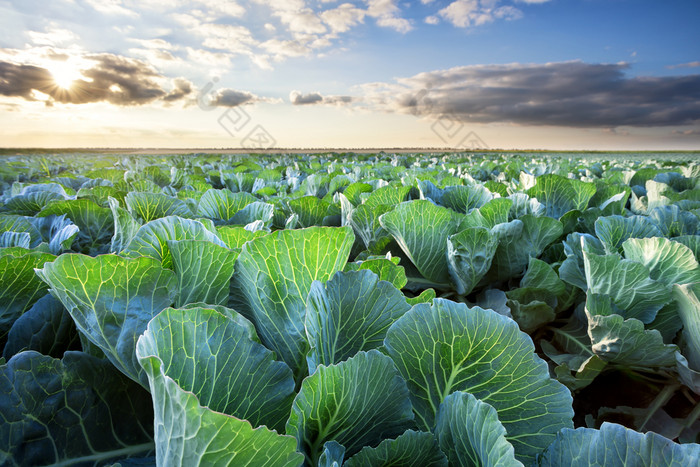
{"x": 64, "y": 74}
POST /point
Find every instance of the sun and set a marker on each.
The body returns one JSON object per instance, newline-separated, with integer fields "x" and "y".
{"x": 64, "y": 74}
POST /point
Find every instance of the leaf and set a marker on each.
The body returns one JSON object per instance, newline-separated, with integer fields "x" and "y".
{"x": 688, "y": 376}
{"x": 273, "y": 277}
{"x": 188, "y": 433}
{"x": 349, "y": 313}
{"x": 625, "y": 341}
{"x": 353, "y": 191}
{"x": 584, "y": 375}
{"x": 46, "y": 327}
{"x": 470, "y": 434}
{"x": 348, "y": 403}
{"x": 387, "y": 196}
{"x": 523, "y": 205}
{"x": 78, "y": 410}
{"x": 692, "y": 242}
{"x": 411, "y": 449}
{"x": 62, "y": 240}
{"x": 310, "y": 209}
{"x": 490, "y": 214}
{"x": 688, "y": 298}
{"x": 425, "y": 296}
{"x": 365, "y": 222}
{"x": 560, "y": 194}
{"x": 614, "y": 230}
{"x": 449, "y": 347}
{"x": 421, "y": 229}
{"x": 531, "y": 308}
{"x": 540, "y": 275}
{"x": 332, "y": 455}
{"x": 469, "y": 256}
{"x": 152, "y": 238}
{"x": 465, "y": 198}
{"x": 15, "y": 239}
{"x": 29, "y": 204}
{"x": 151, "y": 206}
{"x": 257, "y": 211}
{"x": 514, "y": 253}
{"x": 668, "y": 262}
{"x": 203, "y": 270}
{"x": 223, "y": 204}
{"x": 20, "y": 286}
{"x": 572, "y": 270}
{"x": 13, "y": 223}
{"x": 673, "y": 222}
{"x": 627, "y": 283}
{"x": 214, "y": 357}
{"x": 111, "y": 299}
{"x": 96, "y": 223}
{"x": 125, "y": 227}
{"x": 235, "y": 236}
{"x": 614, "y": 445}
{"x": 385, "y": 268}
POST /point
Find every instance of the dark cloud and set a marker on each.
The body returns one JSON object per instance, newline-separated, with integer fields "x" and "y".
{"x": 297, "y": 98}
{"x": 111, "y": 78}
{"x": 573, "y": 94}
{"x": 181, "y": 88}
{"x": 232, "y": 98}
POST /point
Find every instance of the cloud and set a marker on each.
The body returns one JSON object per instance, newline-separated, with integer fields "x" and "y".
{"x": 296, "y": 16}
{"x": 181, "y": 89}
{"x": 285, "y": 48}
{"x": 297, "y": 98}
{"x": 684, "y": 65}
{"x": 386, "y": 13}
{"x": 467, "y": 13}
{"x": 571, "y": 94}
{"x": 105, "y": 78}
{"x": 432, "y": 20}
{"x": 111, "y": 7}
{"x": 691, "y": 132}
{"x": 342, "y": 18}
{"x": 53, "y": 36}
{"x": 232, "y": 39}
{"x": 233, "y": 98}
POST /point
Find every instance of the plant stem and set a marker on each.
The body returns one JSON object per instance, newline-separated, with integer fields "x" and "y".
{"x": 658, "y": 402}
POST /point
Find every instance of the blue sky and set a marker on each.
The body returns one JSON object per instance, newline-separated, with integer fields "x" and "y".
{"x": 554, "y": 74}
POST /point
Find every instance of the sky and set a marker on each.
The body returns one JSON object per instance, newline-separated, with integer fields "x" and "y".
{"x": 474, "y": 74}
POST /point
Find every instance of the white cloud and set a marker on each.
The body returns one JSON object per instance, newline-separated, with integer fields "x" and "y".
{"x": 153, "y": 44}
{"x": 111, "y": 7}
{"x": 432, "y": 20}
{"x": 224, "y": 7}
{"x": 233, "y": 39}
{"x": 54, "y": 36}
{"x": 295, "y": 15}
{"x": 285, "y": 48}
{"x": 386, "y": 13}
{"x": 467, "y": 13}
{"x": 218, "y": 60}
{"x": 342, "y": 18}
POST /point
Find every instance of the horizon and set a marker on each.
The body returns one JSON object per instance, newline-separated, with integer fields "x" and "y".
{"x": 546, "y": 75}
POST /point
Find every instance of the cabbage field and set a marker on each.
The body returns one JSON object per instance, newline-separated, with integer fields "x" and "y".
{"x": 350, "y": 310}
